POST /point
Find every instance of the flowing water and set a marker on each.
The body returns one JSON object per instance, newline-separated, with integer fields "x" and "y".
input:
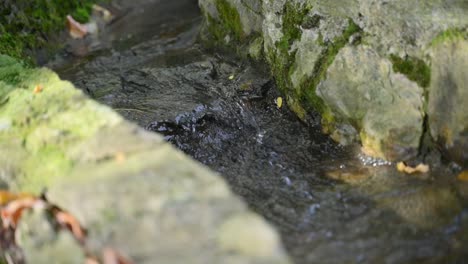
{"x": 331, "y": 204}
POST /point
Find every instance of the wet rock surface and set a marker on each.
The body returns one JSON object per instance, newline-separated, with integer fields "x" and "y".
{"x": 330, "y": 203}
{"x": 304, "y": 45}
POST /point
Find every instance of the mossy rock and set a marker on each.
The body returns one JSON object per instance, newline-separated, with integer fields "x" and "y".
{"x": 26, "y": 25}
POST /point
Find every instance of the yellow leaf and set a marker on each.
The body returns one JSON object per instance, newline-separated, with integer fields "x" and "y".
{"x": 38, "y": 89}
{"x": 279, "y": 102}
{"x": 421, "y": 168}
{"x": 231, "y": 77}
{"x": 463, "y": 176}
{"x": 120, "y": 157}
{"x": 6, "y": 196}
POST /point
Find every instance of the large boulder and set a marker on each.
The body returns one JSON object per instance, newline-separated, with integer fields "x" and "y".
{"x": 130, "y": 189}
{"x": 371, "y": 68}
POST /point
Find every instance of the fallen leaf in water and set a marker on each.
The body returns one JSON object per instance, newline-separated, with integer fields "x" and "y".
{"x": 38, "y": 89}
{"x": 75, "y": 28}
{"x": 231, "y": 77}
{"x": 421, "y": 168}
{"x": 279, "y": 102}
{"x": 463, "y": 176}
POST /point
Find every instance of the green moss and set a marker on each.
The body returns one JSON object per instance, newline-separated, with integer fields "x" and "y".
{"x": 26, "y": 25}
{"x": 282, "y": 60}
{"x": 230, "y": 19}
{"x": 229, "y": 23}
{"x": 46, "y": 126}
{"x": 415, "y": 69}
{"x": 49, "y": 164}
{"x": 320, "y": 69}
{"x": 449, "y": 35}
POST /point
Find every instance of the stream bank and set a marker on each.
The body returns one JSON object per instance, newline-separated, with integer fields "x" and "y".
{"x": 361, "y": 64}
{"x": 330, "y": 203}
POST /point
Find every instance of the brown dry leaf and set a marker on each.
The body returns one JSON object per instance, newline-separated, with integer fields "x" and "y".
{"x": 110, "y": 256}
{"x": 76, "y": 29}
{"x": 463, "y": 176}
{"x": 104, "y": 13}
{"x": 71, "y": 223}
{"x": 91, "y": 260}
{"x": 421, "y": 168}
{"x": 120, "y": 157}
{"x": 38, "y": 89}
{"x": 12, "y": 212}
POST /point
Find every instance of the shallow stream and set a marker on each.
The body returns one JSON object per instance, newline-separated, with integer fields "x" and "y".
{"x": 330, "y": 203}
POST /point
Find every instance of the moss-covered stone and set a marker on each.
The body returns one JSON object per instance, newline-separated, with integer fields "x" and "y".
{"x": 27, "y": 25}
{"x": 415, "y": 69}
{"x": 227, "y": 26}
{"x": 282, "y": 59}
{"x": 303, "y": 38}
{"x": 230, "y": 19}
{"x": 43, "y": 124}
{"x": 324, "y": 61}
{"x": 449, "y": 35}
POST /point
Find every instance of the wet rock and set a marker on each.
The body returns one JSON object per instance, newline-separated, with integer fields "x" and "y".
{"x": 448, "y": 93}
{"x": 303, "y": 40}
{"x": 374, "y": 100}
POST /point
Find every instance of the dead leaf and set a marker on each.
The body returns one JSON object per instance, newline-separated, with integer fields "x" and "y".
{"x": 103, "y": 12}
{"x": 6, "y": 196}
{"x": 420, "y": 168}
{"x": 38, "y": 89}
{"x": 71, "y": 223}
{"x": 91, "y": 260}
{"x": 76, "y": 29}
{"x": 12, "y": 212}
{"x": 12, "y": 207}
{"x": 110, "y": 256}
{"x": 463, "y": 176}
{"x": 120, "y": 157}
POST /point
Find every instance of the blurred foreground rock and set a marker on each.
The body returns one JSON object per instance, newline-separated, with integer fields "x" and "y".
{"x": 129, "y": 188}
